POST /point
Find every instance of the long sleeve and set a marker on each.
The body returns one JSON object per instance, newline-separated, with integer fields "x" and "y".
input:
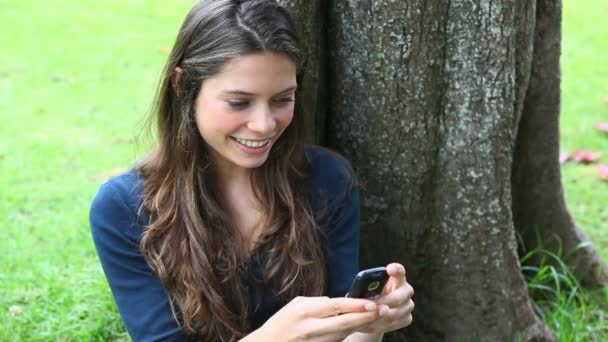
{"x": 343, "y": 245}
{"x": 141, "y": 299}
{"x": 336, "y": 202}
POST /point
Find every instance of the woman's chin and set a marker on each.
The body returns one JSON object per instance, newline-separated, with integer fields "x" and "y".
{"x": 252, "y": 163}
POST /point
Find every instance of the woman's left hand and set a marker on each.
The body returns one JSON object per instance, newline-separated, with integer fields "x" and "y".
{"x": 395, "y": 303}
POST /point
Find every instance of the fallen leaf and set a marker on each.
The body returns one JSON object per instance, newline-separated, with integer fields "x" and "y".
{"x": 602, "y": 126}
{"x": 585, "y": 157}
{"x": 15, "y": 310}
{"x": 603, "y": 171}
{"x": 564, "y": 157}
{"x": 163, "y": 49}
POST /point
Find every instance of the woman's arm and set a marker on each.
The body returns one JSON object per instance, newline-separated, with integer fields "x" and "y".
{"x": 337, "y": 208}
{"x": 319, "y": 319}
{"x": 343, "y": 256}
{"x": 141, "y": 299}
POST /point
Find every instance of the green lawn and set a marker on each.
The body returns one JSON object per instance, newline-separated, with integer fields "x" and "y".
{"x": 585, "y": 83}
{"x": 75, "y": 79}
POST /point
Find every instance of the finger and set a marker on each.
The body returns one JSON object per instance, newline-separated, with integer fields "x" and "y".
{"x": 400, "y": 319}
{"x": 393, "y": 319}
{"x": 383, "y": 310}
{"x": 395, "y": 268}
{"x": 346, "y": 323}
{"x": 325, "y": 307}
{"x": 398, "y": 324}
{"x": 397, "y": 297}
{"x": 396, "y": 271}
{"x": 400, "y": 313}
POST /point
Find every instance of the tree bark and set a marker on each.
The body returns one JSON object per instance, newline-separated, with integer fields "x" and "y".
{"x": 312, "y": 94}
{"x": 434, "y": 104}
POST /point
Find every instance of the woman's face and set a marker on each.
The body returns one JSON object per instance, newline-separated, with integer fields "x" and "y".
{"x": 242, "y": 111}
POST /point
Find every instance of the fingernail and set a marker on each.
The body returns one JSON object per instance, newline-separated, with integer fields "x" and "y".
{"x": 382, "y": 311}
{"x": 370, "y": 306}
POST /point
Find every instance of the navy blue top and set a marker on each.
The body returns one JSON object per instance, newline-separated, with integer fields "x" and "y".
{"x": 139, "y": 294}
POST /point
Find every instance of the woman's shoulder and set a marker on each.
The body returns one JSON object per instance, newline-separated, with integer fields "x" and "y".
{"x": 334, "y": 191}
{"x": 116, "y": 204}
{"x": 328, "y": 167}
{"x": 328, "y": 171}
{"x": 126, "y": 186}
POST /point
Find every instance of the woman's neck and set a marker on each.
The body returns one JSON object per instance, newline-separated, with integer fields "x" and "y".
{"x": 238, "y": 199}
{"x": 229, "y": 175}
{"x": 243, "y": 209}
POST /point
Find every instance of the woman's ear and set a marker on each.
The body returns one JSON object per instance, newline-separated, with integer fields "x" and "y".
{"x": 175, "y": 77}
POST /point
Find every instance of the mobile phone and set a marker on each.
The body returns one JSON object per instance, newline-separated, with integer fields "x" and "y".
{"x": 368, "y": 283}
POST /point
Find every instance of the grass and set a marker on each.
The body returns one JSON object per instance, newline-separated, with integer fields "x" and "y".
{"x": 584, "y": 84}
{"x": 75, "y": 77}
{"x": 572, "y": 313}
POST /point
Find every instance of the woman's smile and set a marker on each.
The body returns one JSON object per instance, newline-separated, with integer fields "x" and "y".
{"x": 253, "y": 146}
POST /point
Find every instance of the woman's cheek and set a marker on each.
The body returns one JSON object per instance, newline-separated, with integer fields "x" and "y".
{"x": 286, "y": 116}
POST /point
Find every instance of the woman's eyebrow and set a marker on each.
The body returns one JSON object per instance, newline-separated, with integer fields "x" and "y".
{"x": 244, "y": 93}
{"x": 290, "y": 89}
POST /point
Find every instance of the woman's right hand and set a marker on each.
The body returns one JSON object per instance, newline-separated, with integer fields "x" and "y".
{"x": 316, "y": 319}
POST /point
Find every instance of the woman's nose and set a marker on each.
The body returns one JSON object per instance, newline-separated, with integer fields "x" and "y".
{"x": 263, "y": 121}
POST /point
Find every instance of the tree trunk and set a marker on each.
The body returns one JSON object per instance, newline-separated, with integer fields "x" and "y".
{"x": 312, "y": 82}
{"x": 426, "y": 98}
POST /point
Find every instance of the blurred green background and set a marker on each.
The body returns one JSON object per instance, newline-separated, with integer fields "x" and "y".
{"x": 77, "y": 77}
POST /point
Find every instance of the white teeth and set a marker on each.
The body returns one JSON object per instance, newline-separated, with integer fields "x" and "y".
{"x": 253, "y": 144}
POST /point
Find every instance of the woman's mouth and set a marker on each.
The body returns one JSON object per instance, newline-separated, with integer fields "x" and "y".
{"x": 252, "y": 143}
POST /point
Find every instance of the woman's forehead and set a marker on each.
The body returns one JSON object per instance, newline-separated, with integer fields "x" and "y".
{"x": 254, "y": 73}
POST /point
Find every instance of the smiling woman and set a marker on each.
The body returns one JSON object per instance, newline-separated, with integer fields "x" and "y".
{"x": 222, "y": 228}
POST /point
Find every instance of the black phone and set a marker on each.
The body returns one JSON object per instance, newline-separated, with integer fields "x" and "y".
{"x": 368, "y": 283}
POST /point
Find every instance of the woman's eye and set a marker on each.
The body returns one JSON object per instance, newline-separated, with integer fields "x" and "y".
{"x": 238, "y": 104}
{"x": 283, "y": 101}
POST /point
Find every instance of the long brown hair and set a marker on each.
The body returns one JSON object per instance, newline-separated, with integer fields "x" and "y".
{"x": 190, "y": 242}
